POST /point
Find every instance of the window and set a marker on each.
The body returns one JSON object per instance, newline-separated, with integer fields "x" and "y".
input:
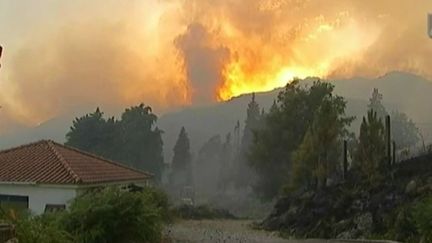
{"x": 14, "y": 202}
{"x": 54, "y": 208}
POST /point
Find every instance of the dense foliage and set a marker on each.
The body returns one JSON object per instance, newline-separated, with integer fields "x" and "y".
{"x": 285, "y": 126}
{"x": 422, "y": 219}
{"x": 45, "y": 228}
{"x": 133, "y": 139}
{"x": 375, "y": 200}
{"x": 110, "y": 215}
{"x": 317, "y": 158}
{"x": 370, "y": 157}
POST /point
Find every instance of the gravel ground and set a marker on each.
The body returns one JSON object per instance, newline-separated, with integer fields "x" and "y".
{"x": 226, "y": 231}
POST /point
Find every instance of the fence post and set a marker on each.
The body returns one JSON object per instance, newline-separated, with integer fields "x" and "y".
{"x": 345, "y": 160}
{"x": 388, "y": 140}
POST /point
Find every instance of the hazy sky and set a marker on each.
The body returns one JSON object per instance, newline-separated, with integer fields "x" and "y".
{"x": 65, "y": 56}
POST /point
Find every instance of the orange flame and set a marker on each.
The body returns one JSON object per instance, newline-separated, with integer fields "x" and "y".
{"x": 316, "y": 53}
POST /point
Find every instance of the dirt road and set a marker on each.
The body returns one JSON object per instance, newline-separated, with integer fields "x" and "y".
{"x": 226, "y": 231}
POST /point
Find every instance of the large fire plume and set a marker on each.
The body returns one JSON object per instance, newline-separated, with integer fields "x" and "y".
{"x": 172, "y": 53}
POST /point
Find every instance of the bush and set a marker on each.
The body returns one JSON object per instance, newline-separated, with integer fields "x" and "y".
{"x": 422, "y": 215}
{"x": 114, "y": 216}
{"x": 159, "y": 198}
{"x": 34, "y": 229}
{"x": 45, "y": 228}
{"x": 108, "y": 215}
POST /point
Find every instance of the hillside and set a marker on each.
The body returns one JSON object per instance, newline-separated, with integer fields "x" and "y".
{"x": 405, "y": 92}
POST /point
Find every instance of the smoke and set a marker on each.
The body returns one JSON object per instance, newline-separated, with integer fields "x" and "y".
{"x": 112, "y": 57}
{"x": 202, "y": 62}
{"x": 172, "y": 53}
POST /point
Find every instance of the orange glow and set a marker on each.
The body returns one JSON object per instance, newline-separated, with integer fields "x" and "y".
{"x": 257, "y": 68}
{"x": 238, "y": 82}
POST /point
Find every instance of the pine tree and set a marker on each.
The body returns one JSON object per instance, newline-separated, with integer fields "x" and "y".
{"x": 252, "y": 122}
{"x": 181, "y": 163}
{"x": 244, "y": 175}
{"x": 375, "y": 104}
{"x": 370, "y": 158}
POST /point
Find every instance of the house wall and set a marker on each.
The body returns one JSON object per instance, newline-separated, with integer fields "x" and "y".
{"x": 40, "y": 195}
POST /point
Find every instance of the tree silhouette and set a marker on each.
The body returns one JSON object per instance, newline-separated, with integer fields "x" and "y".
{"x": 181, "y": 163}
{"x": 133, "y": 140}
{"x": 370, "y": 158}
{"x": 244, "y": 174}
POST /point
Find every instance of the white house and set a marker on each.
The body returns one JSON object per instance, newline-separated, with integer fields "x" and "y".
{"x": 46, "y": 175}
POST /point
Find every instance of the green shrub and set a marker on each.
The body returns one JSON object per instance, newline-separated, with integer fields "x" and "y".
{"x": 114, "y": 216}
{"x": 44, "y": 228}
{"x": 422, "y": 215}
{"x": 34, "y": 229}
{"x": 108, "y": 215}
{"x": 160, "y": 199}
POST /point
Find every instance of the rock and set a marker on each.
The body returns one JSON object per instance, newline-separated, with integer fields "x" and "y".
{"x": 342, "y": 227}
{"x": 364, "y": 223}
{"x": 411, "y": 187}
{"x": 347, "y": 235}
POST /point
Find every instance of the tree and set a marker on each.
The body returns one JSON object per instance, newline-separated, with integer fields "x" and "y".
{"x": 244, "y": 174}
{"x": 370, "y": 158}
{"x": 375, "y": 104}
{"x": 181, "y": 163}
{"x": 404, "y": 131}
{"x": 282, "y": 133}
{"x": 318, "y": 156}
{"x": 93, "y": 133}
{"x": 207, "y": 163}
{"x": 133, "y": 140}
{"x": 142, "y": 145}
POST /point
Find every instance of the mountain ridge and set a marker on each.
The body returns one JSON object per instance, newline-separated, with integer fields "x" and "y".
{"x": 402, "y": 91}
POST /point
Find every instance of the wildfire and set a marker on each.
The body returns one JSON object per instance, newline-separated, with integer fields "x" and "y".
{"x": 315, "y": 51}
{"x": 238, "y": 82}
{"x": 174, "y": 53}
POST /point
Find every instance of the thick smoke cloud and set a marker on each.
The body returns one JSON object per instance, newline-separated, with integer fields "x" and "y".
{"x": 110, "y": 57}
{"x": 202, "y": 62}
{"x": 171, "y": 53}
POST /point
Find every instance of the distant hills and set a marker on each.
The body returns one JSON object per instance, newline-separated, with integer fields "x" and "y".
{"x": 402, "y": 91}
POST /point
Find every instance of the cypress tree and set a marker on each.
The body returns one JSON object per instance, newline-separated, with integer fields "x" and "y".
{"x": 181, "y": 163}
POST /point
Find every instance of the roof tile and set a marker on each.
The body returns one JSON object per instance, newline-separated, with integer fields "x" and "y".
{"x": 48, "y": 162}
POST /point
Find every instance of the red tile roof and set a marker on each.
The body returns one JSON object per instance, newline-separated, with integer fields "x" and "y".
{"x": 47, "y": 162}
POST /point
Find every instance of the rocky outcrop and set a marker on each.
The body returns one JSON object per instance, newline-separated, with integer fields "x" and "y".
{"x": 352, "y": 210}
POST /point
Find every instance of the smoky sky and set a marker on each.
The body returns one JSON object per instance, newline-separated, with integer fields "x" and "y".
{"x": 174, "y": 53}
{"x": 203, "y": 63}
